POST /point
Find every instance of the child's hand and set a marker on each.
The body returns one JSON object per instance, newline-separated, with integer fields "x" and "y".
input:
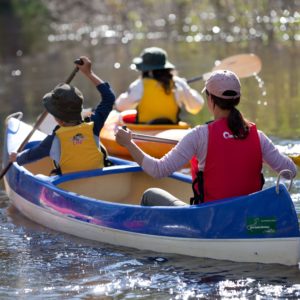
{"x": 86, "y": 67}
{"x": 13, "y": 157}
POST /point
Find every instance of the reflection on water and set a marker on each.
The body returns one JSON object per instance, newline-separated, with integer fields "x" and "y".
{"x": 39, "y": 55}
{"x": 35, "y": 57}
{"x": 38, "y": 262}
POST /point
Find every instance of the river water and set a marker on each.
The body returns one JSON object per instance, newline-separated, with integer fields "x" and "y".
{"x": 37, "y": 263}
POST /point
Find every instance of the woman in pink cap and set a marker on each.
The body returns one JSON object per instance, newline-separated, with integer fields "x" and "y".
{"x": 230, "y": 151}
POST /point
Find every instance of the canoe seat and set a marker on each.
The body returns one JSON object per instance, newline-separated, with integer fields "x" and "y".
{"x": 119, "y": 186}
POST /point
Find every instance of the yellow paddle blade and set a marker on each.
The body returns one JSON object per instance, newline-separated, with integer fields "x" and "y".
{"x": 295, "y": 159}
{"x": 243, "y": 65}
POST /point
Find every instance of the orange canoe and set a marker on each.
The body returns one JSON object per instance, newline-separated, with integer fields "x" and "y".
{"x": 155, "y": 149}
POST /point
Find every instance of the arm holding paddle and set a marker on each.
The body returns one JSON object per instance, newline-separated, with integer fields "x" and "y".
{"x": 193, "y": 143}
{"x": 13, "y": 156}
{"x": 37, "y": 124}
{"x": 41, "y": 150}
{"x": 124, "y": 138}
{"x": 65, "y": 103}
{"x": 86, "y": 69}
{"x": 187, "y": 97}
{"x": 173, "y": 161}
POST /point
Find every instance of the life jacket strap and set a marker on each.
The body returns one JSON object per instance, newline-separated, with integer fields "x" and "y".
{"x": 107, "y": 162}
{"x": 262, "y": 180}
{"x": 198, "y": 193}
{"x": 56, "y": 170}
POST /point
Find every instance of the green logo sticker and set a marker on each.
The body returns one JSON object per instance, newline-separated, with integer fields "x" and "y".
{"x": 261, "y": 225}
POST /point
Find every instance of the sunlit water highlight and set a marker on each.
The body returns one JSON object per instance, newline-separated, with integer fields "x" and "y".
{"x": 37, "y": 263}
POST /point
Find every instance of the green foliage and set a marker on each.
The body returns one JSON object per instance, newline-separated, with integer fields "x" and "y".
{"x": 34, "y": 22}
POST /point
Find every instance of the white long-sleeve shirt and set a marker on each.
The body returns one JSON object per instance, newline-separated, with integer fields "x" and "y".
{"x": 196, "y": 143}
{"x": 185, "y": 96}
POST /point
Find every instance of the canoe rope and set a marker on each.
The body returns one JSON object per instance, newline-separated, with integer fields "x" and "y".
{"x": 18, "y": 115}
{"x": 278, "y": 179}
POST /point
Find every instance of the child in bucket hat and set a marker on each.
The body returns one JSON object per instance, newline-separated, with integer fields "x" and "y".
{"x": 158, "y": 95}
{"x": 74, "y": 144}
{"x": 64, "y": 103}
{"x": 229, "y": 151}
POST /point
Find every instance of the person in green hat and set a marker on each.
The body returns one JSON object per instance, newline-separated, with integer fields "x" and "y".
{"x": 74, "y": 144}
{"x": 158, "y": 94}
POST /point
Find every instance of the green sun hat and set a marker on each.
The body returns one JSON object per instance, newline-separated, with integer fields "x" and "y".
{"x": 64, "y": 102}
{"x": 153, "y": 58}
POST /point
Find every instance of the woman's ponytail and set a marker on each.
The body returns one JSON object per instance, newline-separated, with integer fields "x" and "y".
{"x": 235, "y": 121}
{"x": 237, "y": 124}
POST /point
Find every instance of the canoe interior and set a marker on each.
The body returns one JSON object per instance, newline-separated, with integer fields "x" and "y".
{"x": 43, "y": 166}
{"x": 126, "y": 188}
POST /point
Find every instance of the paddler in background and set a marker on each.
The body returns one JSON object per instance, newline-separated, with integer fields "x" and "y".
{"x": 158, "y": 95}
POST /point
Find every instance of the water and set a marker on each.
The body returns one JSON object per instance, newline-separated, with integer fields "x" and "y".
{"x": 37, "y": 263}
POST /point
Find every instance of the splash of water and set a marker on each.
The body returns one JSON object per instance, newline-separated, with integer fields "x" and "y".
{"x": 261, "y": 85}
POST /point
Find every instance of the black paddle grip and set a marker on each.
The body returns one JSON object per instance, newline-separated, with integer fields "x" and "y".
{"x": 78, "y": 61}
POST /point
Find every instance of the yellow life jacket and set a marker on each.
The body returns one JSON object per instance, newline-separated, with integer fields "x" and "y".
{"x": 156, "y": 104}
{"x": 79, "y": 151}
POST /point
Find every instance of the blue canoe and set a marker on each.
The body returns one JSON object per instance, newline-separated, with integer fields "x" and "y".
{"x": 103, "y": 205}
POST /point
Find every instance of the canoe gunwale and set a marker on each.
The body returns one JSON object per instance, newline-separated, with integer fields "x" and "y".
{"x": 237, "y": 250}
{"x": 213, "y": 230}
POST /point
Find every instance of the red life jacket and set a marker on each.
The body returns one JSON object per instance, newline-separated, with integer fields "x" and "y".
{"x": 233, "y": 166}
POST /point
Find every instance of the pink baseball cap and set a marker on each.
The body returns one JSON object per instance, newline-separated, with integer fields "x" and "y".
{"x": 221, "y": 81}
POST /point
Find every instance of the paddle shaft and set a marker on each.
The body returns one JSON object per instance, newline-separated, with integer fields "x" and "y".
{"x": 197, "y": 78}
{"x": 150, "y": 138}
{"x": 38, "y": 122}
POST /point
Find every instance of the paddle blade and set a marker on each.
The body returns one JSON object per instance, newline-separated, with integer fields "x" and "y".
{"x": 244, "y": 65}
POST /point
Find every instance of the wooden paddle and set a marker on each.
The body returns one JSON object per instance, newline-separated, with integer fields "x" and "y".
{"x": 150, "y": 138}
{"x": 243, "y": 65}
{"x": 39, "y": 121}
